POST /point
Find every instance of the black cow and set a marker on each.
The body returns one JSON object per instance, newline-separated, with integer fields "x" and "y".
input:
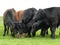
{"x": 26, "y": 18}
{"x": 50, "y": 16}
{"x": 28, "y": 14}
{"x": 9, "y": 21}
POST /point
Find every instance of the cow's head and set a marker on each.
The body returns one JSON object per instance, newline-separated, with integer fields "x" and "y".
{"x": 37, "y": 25}
{"x": 18, "y": 30}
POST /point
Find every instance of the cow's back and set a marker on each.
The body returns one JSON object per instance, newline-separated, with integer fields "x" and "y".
{"x": 18, "y": 15}
{"x": 51, "y": 14}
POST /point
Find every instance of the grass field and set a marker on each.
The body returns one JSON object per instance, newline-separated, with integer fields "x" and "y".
{"x": 37, "y": 40}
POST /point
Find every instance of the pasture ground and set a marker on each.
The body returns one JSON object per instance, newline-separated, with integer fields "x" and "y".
{"x": 37, "y": 40}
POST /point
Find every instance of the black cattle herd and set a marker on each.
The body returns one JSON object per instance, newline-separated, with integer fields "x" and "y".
{"x": 32, "y": 20}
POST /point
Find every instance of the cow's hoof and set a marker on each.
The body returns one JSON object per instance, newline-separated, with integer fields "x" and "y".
{"x": 53, "y": 37}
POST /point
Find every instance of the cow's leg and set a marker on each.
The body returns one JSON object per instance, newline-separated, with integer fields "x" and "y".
{"x": 53, "y": 28}
{"x": 33, "y": 34}
{"x": 7, "y": 30}
{"x": 59, "y": 29}
{"x": 41, "y": 32}
{"x": 46, "y": 32}
{"x": 29, "y": 35}
{"x": 33, "y": 31}
{"x": 4, "y": 30}
{"x": 12, "y": 32}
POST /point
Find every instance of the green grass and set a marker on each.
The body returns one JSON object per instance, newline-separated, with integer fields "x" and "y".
{"x": 37, "y": 40}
